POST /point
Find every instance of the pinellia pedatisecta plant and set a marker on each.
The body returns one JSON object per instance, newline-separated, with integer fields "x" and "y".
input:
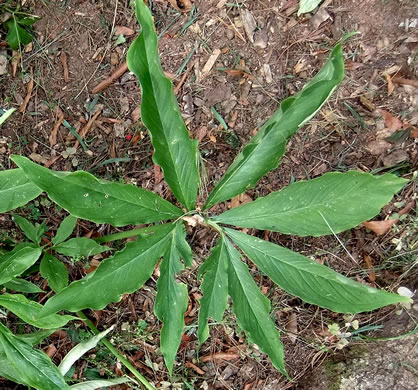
{"x": 326, "y": 205}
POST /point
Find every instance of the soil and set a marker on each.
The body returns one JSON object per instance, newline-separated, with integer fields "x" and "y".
{"x": 245, "y": 85}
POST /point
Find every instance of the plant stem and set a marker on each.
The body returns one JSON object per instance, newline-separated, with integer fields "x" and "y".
{"x": 116, "y": 353}
{"x": 127, "y": 234}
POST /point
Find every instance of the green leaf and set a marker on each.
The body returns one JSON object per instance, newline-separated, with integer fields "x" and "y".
{"x": 175, "y": 152}
{"x": 6, "y": 369}
{"x": 84, "y": 196}
{"x": 214, "y": 288}
{"x": 29, "y": 311}
{"x": 35, "y": 338}
{"x": 99, "y": 383}
{"x": 171, "y": 301}
{"x": 329, "y": 204}
{"x": 16, "y": 190}
{"x": 54, "y": 271}
{"x": 22, "y": 285}
{"x": 27, "y": 21}
{"x": 80, "y": 349}
{"x": 65, "y": 229}
{"x": 31, "y": 366}
{"x": 252, "y": 309}
{"x": 306, "y": 6}
{"x": 263, "y": 152}
{"x": 13, "y": 263}
{"x": 16, "y": 34}
{"x": 123, "y": 273}
{"x": 6, "y": 115}
{"x": 312, "y": 282}
{"x": 34, "y": 233}
{"x": 80, "y": 247}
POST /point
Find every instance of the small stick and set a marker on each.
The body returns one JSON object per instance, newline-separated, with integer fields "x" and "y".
{"x": 220, "y": 356}
{"x": 29, "y": 93}
{"x": 54, "y": 132}
{"x": 195, "y": 368}
{"x": 401, "y": 80}
{"x": 117, "y": 74}
{"x": 183, "y": 78}
{"x": 16, "y": 57}
{"x": 64, "y": 61}
{"x": 83, "y": 132}
{"x": 232, "y": 26}
{"x": 113, "y": 77}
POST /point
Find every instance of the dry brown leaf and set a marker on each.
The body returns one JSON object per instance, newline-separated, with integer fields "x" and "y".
{"x": 38, "y": 158}
{"x": 378, "y": 147}
{"x": 292, "y": 327}
{"x": 249, "y": 23}
{"x": 240, "y": 199}
{"x": 395, "y": 157}
{"x": 382, "y": 227}
{"x": 379, "y": 227}
{"x": 391, "y": 87}
{"x": 181, "y": 5}
{"x": 122, "y": 30}
{"x": 300, "y": 66}
{"x": 51, "y": 350}
{"x": 158, "y": 174}
{"x": 369, "y": 265}
{"x": 136, "y": 114}
{"x": 391, "y": 122}
{"x": 235, "y": 72}
{"x": 320, "y": 17}
{"x": 201, "y": 133}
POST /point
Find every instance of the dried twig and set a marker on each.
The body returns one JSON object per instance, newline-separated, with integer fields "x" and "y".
{"x": 119, "y": 72}
{"x": 195, "y": 368}
{"x": 16, "y": 57}
{"x": 401, "y": 80}
{"x": 64, "y": 62}
{"x": 28, "y": 94}
{"x": 113, "y": 77}
{"x": 220, "y": 356}
{"x": 184, "y": 76}
{"x": 83, "y": 132}
{"x": 54, "y": 132}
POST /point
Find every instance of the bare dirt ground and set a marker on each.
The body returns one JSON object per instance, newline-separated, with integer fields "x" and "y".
{"x": 370, "y": 124}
